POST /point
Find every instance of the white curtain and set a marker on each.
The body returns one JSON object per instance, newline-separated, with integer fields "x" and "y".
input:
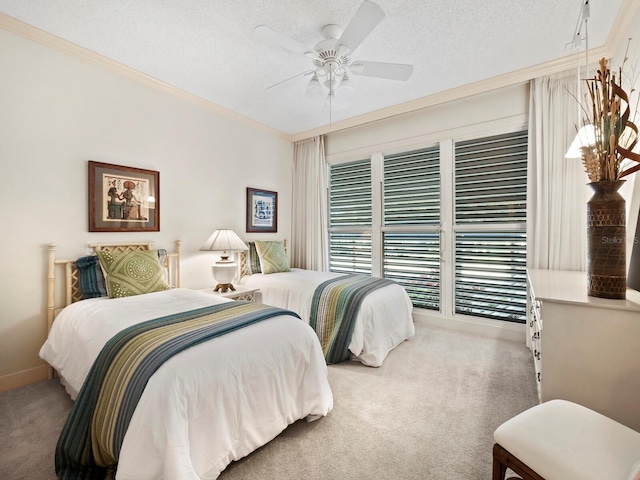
{"x": 309, "y": 247}
{"x": 557, "y": 187}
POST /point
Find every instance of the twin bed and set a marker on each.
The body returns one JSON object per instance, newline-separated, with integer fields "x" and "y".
{"x": 383, "y": 320}
{"x": 209, "y": 404}
{"x": 205, "y": 407}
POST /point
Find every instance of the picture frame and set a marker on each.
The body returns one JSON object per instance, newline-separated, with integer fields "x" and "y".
{"x": 262, "y": 211}
{"x": 123, "y": 199}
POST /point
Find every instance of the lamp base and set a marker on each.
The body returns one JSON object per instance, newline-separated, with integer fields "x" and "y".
{"x": 224, "y": 287}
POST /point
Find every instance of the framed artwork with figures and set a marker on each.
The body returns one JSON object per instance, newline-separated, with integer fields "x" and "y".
{"x": 262, "y": 210}
{"x": 123, "y": 199}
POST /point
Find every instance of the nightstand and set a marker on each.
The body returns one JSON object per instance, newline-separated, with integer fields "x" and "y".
{"x": 240, "y": 293}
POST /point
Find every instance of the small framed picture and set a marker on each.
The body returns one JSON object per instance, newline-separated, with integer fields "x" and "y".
{"x": 262, "y": 210}
{"x": 123, "y": 199}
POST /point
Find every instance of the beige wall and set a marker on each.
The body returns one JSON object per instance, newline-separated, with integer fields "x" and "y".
{"x": 56, "y": 113}
{"x": 481, "y": 114}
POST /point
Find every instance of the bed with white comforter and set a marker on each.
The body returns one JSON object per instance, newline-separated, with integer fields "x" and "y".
{"x": 383, "y": 322}
{"x": 208, "y": 405}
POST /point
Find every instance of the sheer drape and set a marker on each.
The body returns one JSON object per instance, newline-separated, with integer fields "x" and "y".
{"x": 557, "y": 188}
{"x": 309, "y": 247}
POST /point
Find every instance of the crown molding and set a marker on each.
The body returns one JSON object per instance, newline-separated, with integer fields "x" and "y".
{"x": 35, "y": 34}
{"x": 617, "y": 35}
{"x": 620, "y": 28}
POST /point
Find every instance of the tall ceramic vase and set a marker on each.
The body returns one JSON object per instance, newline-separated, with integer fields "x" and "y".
{"x": 606, "y": 232}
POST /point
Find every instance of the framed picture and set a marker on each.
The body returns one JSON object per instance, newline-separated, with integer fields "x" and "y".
{"x": 262, "y": 210}
{"x": 123, "y": 199}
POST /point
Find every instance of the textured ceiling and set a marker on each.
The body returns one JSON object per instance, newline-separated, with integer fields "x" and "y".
{"x": 208, "y": 48}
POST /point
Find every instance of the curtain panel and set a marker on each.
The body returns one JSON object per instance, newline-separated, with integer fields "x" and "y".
{"x": 557, "y": 188}
{"x": 309, "y": 245}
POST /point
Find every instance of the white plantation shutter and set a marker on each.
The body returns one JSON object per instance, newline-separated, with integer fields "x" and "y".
{"x": 491, "y": 179}
{"x": 490, "y": 220}
{"x": 411, "y": 210}
{"x": 350, "y": 217}
{"x": 464, "y": 242}
{"x": 412, "y": 188}
{"x": 413, "y": 260}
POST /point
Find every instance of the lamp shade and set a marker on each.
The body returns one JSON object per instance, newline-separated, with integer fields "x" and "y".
{"x": 224, "y": 271}
{"x": 585, "y": 137}
{"x": 224, "y": 241}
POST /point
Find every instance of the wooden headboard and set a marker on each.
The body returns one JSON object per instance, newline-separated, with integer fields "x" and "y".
{"x": 70, "y": 286}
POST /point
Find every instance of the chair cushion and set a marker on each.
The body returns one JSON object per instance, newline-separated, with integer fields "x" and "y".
{"x": 561, "y": 440}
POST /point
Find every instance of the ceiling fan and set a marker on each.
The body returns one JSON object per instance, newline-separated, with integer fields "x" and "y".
{"x": 332, "y": 62}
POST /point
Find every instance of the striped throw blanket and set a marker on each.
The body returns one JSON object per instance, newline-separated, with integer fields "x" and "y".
{"x": 89, "y": 445}
{"x": 334, "y": 308}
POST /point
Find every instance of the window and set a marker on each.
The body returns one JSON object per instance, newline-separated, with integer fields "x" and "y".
{"x": 350, "y": 211}
{"x": 475, "y": 189}
{"x": 411, "y": 241}
{"x": 490, "y": 227}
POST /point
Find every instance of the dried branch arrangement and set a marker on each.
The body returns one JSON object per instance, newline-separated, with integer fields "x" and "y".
{"x": 615, "y": 134}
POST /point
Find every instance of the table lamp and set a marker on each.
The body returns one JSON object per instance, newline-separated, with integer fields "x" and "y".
{"x": 224, "y": 270}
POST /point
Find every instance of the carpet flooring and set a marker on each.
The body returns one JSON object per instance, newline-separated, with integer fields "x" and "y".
{"x": 428, "y": 413}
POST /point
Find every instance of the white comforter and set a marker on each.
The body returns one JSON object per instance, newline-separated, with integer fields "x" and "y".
{"x": 208, "y": 405}
{"x": 384, "y": 320}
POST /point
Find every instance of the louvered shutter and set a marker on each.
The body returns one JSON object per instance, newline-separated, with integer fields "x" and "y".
{"x": 490, "y": 218}
{"x": 350, "y": 214}
{"x": 411, "y": 198}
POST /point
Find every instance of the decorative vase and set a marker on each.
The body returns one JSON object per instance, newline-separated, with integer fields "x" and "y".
{"x": 606, "y": 234}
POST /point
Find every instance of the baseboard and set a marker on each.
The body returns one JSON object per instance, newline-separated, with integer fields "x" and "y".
{"x": 23, "y": 378}
{"x": 514, "y": 332}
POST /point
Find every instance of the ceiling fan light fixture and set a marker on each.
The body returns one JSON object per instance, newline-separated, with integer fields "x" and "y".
{"x": 331, "y": 56}
{"x": 313, "y": 88}
{"x": 346, "y": 85}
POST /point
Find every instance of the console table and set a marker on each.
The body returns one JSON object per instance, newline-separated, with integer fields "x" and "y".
{"x": 586, "y": 349}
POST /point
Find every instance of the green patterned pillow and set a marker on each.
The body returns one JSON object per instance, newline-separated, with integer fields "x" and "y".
{"x": 273, "y": 257}
{"x": 132, "y": 273}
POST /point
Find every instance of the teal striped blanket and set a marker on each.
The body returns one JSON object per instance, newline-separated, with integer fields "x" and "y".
{"x": 90, "y": 442}
{"x": 334, "y": 308}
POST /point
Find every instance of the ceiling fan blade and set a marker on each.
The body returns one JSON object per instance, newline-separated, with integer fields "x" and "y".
{"x": 308, "y": 72}
{"x": 273, "y": 37}
{"x": 366, "y": 18}
{"x": 390, "y": 71}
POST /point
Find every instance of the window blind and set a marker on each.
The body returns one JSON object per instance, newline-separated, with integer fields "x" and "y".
{"x": 411, "y": 199}
{"x": 412, "y": 188}
{"x": 491, "y": 179}
{"x": 350, "y": 217}
{"x": 490, "y": 224}
{"x": 350, "y": 194}
{"x": 490, "y": 275}
{"x": 413, "y": 260}
{"x": 350, "y": 253}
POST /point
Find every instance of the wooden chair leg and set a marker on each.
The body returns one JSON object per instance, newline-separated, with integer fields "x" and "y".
{"x": 502, "y": 460}
{"x": 499, "y": 468}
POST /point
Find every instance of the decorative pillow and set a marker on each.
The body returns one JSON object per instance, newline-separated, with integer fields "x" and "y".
{"x": 132, "y": 273}
{"x": 90, "y": 277}
{"x": 252, "y": 265}
{"x": 273, "y": 257}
